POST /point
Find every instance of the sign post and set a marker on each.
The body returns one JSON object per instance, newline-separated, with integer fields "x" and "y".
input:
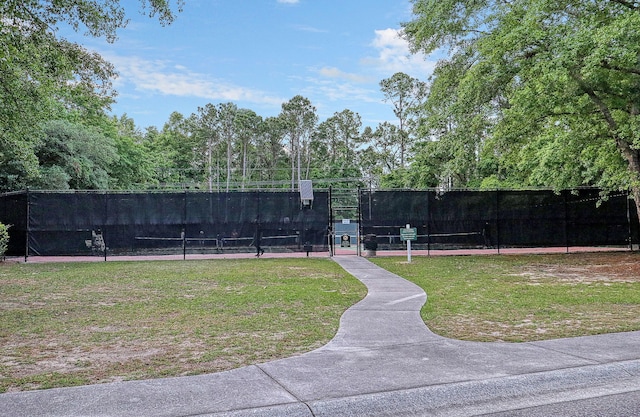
{"x": 408, "y": 234}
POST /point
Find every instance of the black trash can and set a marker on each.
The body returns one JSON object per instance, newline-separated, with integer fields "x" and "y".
{"x": 370, "y": 244}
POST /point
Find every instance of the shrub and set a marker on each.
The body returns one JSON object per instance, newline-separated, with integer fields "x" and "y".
{"x": 4, "y": 240}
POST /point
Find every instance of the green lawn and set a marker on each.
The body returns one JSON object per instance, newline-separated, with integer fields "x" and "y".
{"x": 524, "y": 298}
{"x": 81, "y": 323}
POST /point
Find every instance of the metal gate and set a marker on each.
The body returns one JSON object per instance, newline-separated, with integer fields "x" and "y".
{"x": 344, "y": 221}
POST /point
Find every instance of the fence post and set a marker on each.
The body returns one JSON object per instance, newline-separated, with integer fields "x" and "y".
{"x": 566, "y": 220}
{"x": 330, "y": 228}
{"x": 359, "y": 230}
{"x": 498, "y": 220}
{"x": 104, "y": 223}
{"x": 26, "y": 249}
{"x": 428, "y": 224}
{"x": 184, "y": 226}
{"x": 629, "y": 221}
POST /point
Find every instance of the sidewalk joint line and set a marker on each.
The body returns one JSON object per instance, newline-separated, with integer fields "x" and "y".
{"x": 259, "y": 366}
{"x": 592, "y": 361}
{"x": 402, "y": 300}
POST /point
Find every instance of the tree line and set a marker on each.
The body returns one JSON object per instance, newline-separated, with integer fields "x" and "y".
{"x": 55, "y": 132}
{"x": 218, "y": 147}
{"x": 532, "y": 93}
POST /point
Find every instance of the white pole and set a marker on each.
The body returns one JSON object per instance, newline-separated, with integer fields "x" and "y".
{"x": 408, "y": 246}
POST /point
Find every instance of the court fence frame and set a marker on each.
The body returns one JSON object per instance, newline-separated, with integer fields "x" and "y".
{"x": 113, "y": 223}
{"x": 499, "y": 219}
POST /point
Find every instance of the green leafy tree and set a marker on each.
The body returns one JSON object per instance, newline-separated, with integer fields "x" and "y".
{"x": 455, "y": 123}
{"x": 209, "y": 141}
{"x": 370, "y": 164}
{"x": 74, "y": 157}
{"x": 248, "y": 128}
{"x": 406, "y": 94}
{"x": 271, "y": 155}
{"x": 133, "y": 168}
{"x": 45, "y": 76}
{"x": 227, "y": 114}
{"x": 4, "y": 240}
{"x": 335, "y": 146}
{"x": 233, "y": 145}
{"x": 386, "y": 141}
{"x": 557, "y": 82}
{"x": 299, "y": 117}
{"x": 172, "y": 152}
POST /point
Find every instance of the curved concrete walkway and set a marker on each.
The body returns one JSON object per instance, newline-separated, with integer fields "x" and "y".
{"x": 383, "y": 362}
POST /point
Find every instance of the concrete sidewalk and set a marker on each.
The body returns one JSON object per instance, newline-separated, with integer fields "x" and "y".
{"x": 383, "y": 362}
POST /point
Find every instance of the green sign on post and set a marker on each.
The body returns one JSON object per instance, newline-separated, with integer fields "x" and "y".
{"x": 408, "y": 234}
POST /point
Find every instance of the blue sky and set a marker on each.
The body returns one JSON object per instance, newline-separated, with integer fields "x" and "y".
{"x": 259, "y": 54}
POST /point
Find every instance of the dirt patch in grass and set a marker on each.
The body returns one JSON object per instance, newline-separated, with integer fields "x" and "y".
{"x": 518, "y": 298}
{"x": 602, "y": 268}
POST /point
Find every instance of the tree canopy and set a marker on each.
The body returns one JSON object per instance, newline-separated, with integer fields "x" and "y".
{"x": 532, "y": 93}
{"x": 45, "y": 76}
{"x": 542, "y": 92}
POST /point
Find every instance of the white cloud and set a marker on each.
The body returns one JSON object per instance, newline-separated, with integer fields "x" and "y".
{"x": 394, "y": 56}
{"x": 336, "y": 73}
{"x": 305, "y": 28}
{"x": 161, "y": 77}
{"x": 289, "y": 1}
{"x": 334, "y": 90}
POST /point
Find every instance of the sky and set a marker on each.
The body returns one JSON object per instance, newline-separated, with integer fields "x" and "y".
{"x": 259, "y": 54}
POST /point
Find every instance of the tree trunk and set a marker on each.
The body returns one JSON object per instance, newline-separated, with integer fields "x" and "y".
{"x": 632, "y": 156}
{"x": 244, "y": 164}
{"x": 293, "y": 162}
{"x": 299, "y": 166}
{"x": 228, "y": 163}
{"x": 210, "y": 163}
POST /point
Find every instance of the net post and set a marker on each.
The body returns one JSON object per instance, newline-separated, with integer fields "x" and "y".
{"x": 408, "y": 226}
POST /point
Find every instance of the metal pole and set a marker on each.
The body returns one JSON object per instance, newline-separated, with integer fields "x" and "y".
{"x": 408, "y": 226}
{"x": 498, "y": 220}
{"x": 358, "y": 231}
{"x": 104, "y": 222}
{"x": 26, "y": 249}
{"x": 331, "y": 221}
{"x": 184, "y": 227}
{"x": 428, "y": 226}
{"x": 629, "y": 221}
{"x": 566, "y": 220}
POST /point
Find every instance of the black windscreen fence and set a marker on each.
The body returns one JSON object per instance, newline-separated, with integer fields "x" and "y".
{"x": 86, "y": 223}
{"x": 495, "y": 219}
{"x": 13, "y": 212}
{"x": 122, "y": 223}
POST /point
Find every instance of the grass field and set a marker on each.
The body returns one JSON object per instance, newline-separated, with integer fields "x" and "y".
{"x": 71, "y": 324}
{"x": 82, "y": 323}
{"x": 519, "y": 298}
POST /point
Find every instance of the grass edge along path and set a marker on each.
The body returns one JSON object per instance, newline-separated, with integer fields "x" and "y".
{"x": 67, "y": 324}
{"x": 519, "y": 298}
